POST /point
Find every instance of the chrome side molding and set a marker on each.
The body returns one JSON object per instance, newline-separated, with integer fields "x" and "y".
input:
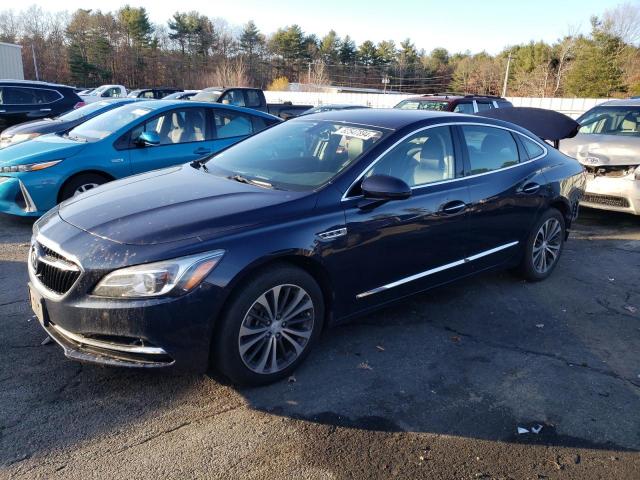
{"x": 426, "y": 273}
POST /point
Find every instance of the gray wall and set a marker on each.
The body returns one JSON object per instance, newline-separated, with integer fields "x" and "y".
{"x": 11, "y": 62}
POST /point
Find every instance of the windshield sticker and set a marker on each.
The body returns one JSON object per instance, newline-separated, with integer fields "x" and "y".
{"x": 361, "y": 133}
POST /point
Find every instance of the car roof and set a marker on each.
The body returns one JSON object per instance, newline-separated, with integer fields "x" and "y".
{"x": 390, "y": 118}
{"x": 160, "y": 104}
{"x": 449, "y": 98}
{"x": 34, "y": 83}
{"x": 396, "y": 119}
{"x": 623, "y": 102}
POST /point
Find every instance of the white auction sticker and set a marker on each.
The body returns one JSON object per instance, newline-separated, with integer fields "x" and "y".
{"x": 361, "y": 133}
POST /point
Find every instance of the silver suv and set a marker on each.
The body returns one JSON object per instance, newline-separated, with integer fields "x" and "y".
{"x": 608, "y": 145}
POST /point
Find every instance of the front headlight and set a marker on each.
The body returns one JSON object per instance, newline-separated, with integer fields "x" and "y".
{"x": 7, "y": 140}
{"x": 31, "y": 167}
{"x": 176, "y": 276}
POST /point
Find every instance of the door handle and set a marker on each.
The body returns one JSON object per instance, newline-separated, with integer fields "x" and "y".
{"x": 201, "y": 151}
{"x": 45, "y": 109}
{"x": 453, "y": 207}
{"x": 531, "y": 187}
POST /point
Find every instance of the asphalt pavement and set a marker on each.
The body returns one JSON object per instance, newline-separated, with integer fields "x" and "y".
{"x": 435, "y": 387}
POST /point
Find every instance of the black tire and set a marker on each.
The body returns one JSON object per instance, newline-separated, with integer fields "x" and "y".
{"x": 226, "y": 344}
{"x": 84, "y": 179}
{"x": 530, "y": 265}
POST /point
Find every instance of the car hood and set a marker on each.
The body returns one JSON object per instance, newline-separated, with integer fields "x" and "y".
{"x": 602, "y": 150}
{"x": 38, "y": 126}
{"x": 40, "y": 149}
{"x": 176, "y": 204}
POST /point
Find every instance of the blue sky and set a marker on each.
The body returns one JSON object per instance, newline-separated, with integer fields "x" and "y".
{"x": 473, "y": 25}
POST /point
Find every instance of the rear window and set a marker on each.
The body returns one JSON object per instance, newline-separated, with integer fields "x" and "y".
{"x": 253, "y": 99}
{"x": 624, "y": 121}
{"x": 533, "y": 149}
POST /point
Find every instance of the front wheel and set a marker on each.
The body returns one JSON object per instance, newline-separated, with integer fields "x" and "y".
{"x": 544, "y": 246}
{"x": 80, "y": 184}
{"x": 269, "y": 326}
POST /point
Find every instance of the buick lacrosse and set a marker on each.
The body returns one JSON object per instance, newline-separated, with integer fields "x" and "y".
{"x": 240, "y": 260}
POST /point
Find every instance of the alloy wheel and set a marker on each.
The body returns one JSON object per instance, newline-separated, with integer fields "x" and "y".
{"x": 276, "y": 329}
{"x": 84, "y": 187}
{"x": 546, "y": 246}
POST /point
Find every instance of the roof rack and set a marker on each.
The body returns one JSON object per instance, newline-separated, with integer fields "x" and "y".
{"x": 442, "y": 94}
{"x": 481, "y": 95}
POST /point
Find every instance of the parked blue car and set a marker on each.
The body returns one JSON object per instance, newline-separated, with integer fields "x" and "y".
{"x": 26, "y": 131}
{"x": 135, "y": 138}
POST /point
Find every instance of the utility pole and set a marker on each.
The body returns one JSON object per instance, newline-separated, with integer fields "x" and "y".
{"x": 309, "y": 74}
{"x": 506, "y": 76}
{"x": 35, "y": 64}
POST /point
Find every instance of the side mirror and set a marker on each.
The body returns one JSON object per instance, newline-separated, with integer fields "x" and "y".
{"x": 385, "y": 187}
{"x": 148, "y": 139}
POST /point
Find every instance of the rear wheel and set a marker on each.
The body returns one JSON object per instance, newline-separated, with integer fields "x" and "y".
{"x": 269, "y": 326}
{"x": 543, "y": 247}
{"x": 80, "y": 184}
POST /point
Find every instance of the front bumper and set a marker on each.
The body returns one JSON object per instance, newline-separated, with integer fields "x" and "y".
{"x": 15, "y": 198}
{"x": 616, "y": 194}
{"x": 167, "y": 332}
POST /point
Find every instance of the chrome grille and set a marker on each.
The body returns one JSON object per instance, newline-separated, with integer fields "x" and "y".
{"x": 609, "y": 200}
{"x": 54, "y": 271}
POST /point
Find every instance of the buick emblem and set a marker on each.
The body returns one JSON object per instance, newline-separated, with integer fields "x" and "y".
{"x": 33, "y": 257}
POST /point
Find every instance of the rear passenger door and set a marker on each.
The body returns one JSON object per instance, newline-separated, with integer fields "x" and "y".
{"x": 184, "y": 136}
{"x": 506, "y": 190}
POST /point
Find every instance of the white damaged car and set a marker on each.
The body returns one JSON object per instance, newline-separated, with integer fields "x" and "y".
{"x": 608, "y": 145}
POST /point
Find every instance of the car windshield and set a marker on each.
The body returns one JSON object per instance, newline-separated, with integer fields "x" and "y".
{"x": 83, "y": 111}
{"x": 104, "y": 125}
{"x": 422, "y": 105}
{"x": 611, "y": 121}
{"x": 210, "y": 96}
{"x": 134, "y": 93}
{"x": 298, "y": 155}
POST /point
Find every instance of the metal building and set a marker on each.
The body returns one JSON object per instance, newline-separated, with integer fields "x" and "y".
{"x": 11, "y": 62}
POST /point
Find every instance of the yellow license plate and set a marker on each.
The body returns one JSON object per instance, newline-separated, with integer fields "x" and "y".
{"x": 36, "y": 304}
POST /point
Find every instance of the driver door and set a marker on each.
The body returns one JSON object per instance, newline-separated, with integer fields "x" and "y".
{"x": 184, "y": 137}
{"x": 404, "y": 246}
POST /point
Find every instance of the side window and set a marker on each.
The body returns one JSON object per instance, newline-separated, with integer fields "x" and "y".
{"x": 47, "y": 96}
{"x": 253, "y": 99}
{"x": 148, "y": 94}
{"x": 464, "y": 108}
{"x": 533, "y": 149}
{"x": 423, "y": 158}
{"x": 489, "y": 148}
{"x": 260, "y": 123}
{"x": 233, "y": 97}
{"x": 231, "y": 124}
{"x": 176, "y": 126}
{"x": 111, "y": 92}
{"x": 482, "y": 106}
{"x": 19, "y": 96}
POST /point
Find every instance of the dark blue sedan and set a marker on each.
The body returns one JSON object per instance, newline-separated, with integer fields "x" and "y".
{"x": 240, "y": 260}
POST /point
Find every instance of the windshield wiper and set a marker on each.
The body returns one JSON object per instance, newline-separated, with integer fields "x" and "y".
{"x": 250, "y": 181}
{"x": 200, "y": 163}
{"x": 76, "y": 138}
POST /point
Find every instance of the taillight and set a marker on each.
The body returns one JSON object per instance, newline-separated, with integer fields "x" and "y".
{"x": 78, "y": 105}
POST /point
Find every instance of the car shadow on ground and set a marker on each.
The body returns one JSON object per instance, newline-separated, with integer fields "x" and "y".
{"x": 476, "y": 359}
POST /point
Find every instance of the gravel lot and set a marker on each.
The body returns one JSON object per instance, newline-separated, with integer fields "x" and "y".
{"x": 433, "y": 388}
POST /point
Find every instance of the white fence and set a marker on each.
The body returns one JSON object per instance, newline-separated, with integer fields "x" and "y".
{"x": 569, "y": 106}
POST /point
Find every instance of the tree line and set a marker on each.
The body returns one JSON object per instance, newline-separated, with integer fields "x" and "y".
{"x": 91, "y": 47}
